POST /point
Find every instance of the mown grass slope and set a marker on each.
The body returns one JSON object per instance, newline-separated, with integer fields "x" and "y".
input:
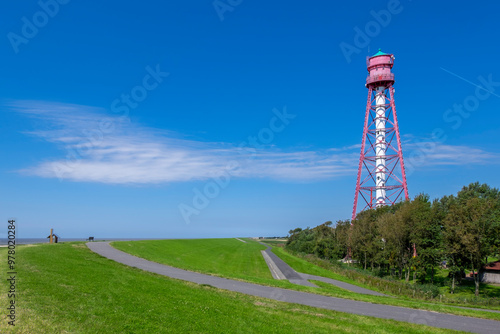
{"x": 65, "y": 288}
{"x": 223, "y": 257}
{"x": 234, "y": 259}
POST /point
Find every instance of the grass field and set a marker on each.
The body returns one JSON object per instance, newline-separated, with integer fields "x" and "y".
{"x": 65, "y": 288}
{"x": 223, "y": 257}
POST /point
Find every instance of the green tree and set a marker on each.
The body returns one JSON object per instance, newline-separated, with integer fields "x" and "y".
{"x": 341, "y": 237}
{"x": 320, "y": 241}
{"x": 324, "y": 241}
{"x": 426, "y": 236}
{"x": 471, "y": 228}
{"x": 477, "y": 190}
{"x": 364, "y": 238}
{"x": 366, "y": 241}
{"x": 397, "y": 231}
{"x": 301, "y": 241}
{"x": 471, "y": 225}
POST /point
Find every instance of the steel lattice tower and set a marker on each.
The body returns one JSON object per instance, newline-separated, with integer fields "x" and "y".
{"x": 381, "y": 174}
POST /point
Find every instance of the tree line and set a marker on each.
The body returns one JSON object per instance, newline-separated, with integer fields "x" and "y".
{"x": 414, "y": 238}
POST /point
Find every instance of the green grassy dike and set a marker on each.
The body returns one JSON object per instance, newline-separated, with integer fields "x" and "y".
{"x": 65, "y": 288}
{"x": 220, "y": 257}
{"x": 223, "y": 257}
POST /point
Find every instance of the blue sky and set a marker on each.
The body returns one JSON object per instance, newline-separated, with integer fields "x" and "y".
{"x": 116, "y": 116}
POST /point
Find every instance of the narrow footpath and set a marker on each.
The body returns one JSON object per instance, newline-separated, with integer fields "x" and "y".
{"x": 291, "y": 275}
{"x": 441, "y": 320}
{"x": 302, "y": 279}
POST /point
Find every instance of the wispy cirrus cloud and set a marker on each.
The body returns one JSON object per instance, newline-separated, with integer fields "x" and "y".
{"x": 107, "y": 149}
{"x": 130, "y": 153}
{"x": 441, "y": 154}
{"x": 426, "y": 153}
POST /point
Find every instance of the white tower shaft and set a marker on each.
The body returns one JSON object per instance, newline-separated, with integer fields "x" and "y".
{"x": 380, "y": 145}
{"x": 381, "y": 178}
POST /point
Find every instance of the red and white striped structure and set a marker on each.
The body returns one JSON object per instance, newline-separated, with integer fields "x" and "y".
{"x": 381, "y": 174}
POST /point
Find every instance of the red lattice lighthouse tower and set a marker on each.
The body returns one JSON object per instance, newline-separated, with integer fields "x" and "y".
{"x": 381, "y": 173}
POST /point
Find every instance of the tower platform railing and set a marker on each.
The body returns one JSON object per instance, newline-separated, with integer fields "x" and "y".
{"x": 379, "y": 77}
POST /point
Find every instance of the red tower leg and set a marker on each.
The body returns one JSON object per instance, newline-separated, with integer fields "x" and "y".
{"x": 381, "y": 178}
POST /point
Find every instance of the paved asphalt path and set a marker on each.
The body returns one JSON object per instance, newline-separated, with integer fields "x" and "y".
{"x": 344, "y": 285}
{"x": 273, "y": 268}
{"x": 302, "y": 279}
{"x": 290, "y": 274}
{"x": 434, "y": 319}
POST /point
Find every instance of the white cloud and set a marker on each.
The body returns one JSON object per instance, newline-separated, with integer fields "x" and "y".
{"x": 133, "y": 154}
{"x": 423, "y": 154}
{"x": 109, "y": 149}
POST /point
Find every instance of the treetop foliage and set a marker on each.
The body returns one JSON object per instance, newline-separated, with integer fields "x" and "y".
{"x": 418, "y": 236}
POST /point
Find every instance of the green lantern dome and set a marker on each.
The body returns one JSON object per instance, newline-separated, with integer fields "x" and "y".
{"x": 380, "y": 53}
